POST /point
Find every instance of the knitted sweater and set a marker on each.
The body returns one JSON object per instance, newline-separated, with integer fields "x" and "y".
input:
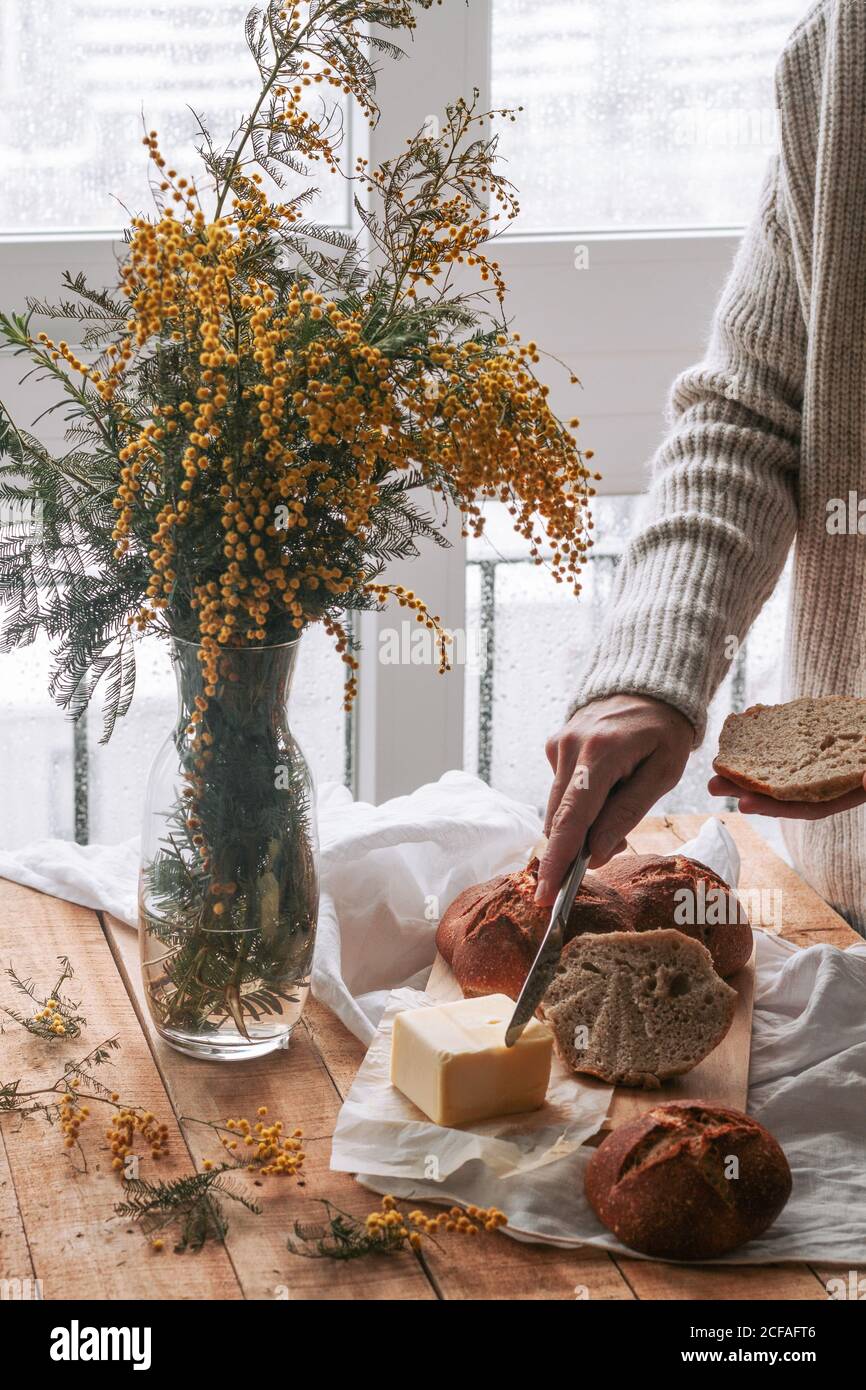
{"x": 765, "y": 432}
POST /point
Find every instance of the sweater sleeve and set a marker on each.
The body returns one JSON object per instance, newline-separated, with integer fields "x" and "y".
{"x": 722, "y": 510}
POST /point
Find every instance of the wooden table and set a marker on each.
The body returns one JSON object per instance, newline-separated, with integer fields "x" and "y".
{"x": 56, "y": 1225}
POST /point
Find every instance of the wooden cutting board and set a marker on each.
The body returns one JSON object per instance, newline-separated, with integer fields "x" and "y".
{"x": 722, "y": 1077}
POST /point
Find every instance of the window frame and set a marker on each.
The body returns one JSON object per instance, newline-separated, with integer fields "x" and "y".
{"x": 408, "y": 722}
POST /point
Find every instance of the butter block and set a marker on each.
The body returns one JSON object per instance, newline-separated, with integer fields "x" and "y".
{"x": 451, "y": 1060}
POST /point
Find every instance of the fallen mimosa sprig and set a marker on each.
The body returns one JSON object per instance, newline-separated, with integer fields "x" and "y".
{"x": 193, "y": 1203}
{"x": 57, "y": 1015}
{"x": 387, "y": 1230}
{"x": 257, "y": 1146}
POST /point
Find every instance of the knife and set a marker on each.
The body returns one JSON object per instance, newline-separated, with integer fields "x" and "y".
{"x": 544, "y": 966}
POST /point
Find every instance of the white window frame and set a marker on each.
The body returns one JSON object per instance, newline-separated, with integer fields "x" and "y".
{"x": 626, "y": 325}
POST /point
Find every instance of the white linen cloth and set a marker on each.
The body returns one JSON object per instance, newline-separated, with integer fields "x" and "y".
{"x": 386, "y": 873}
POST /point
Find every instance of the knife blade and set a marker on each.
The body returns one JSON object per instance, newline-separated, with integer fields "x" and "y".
{"x": 544, "y": 966}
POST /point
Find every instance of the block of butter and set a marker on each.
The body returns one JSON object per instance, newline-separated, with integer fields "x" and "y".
{"x": 451, "y": 1060}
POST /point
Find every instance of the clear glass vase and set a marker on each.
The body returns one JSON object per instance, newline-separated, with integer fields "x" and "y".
{"x": 228, "y": 889}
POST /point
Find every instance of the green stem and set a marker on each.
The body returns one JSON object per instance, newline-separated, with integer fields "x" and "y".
{"x": 248, "y": 129}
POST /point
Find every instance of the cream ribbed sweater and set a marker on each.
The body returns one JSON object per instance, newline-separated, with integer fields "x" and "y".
{"x": 767, "y": 429}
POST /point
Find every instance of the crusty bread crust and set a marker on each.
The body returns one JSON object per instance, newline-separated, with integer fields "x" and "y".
{"x": 455, "y": 922}
{"x": 664, "y": 1182}
{"x": 661, "y": 891}
{"x": 491, "y": 932}
{"x": 812, "y": 749}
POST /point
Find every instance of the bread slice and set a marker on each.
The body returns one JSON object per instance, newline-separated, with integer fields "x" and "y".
{"x": 813, "y": 749}
{"x": 649, "y": 1005}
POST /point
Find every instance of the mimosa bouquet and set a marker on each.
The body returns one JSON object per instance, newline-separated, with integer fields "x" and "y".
{"x": 256, "y": 417}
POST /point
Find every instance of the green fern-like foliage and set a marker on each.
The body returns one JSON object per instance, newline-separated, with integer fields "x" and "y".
{"x": 192, "y": 1205}
{"x": 64, "y": 578}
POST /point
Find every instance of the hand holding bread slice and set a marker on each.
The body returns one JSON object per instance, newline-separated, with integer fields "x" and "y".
{"x": 805, "y": 759}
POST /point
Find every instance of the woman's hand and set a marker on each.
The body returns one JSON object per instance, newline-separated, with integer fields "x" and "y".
{"x": 611, "y": 763}
{"x": 754, "y": 804}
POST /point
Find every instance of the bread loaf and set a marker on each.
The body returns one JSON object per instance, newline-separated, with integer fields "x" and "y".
{"x": 490, "y": 933}
{"x": 688, "y": 1181}
{"x": 673, "y": 891}
{"x": 806, "y": 750}
{"x": 636, "y": 1008}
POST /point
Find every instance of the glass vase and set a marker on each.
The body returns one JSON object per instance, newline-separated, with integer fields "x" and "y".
{"x": 228, "y": 888}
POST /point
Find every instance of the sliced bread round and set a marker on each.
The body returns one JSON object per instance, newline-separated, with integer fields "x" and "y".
{"x": 635, "y": 1008}
{"x": 813, "y": 749}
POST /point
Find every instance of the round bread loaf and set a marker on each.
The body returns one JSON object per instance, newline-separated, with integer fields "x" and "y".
{"x": 688, "y": 1181}
{"x": 673, "y": 891}
{"x": 491, "y": 932}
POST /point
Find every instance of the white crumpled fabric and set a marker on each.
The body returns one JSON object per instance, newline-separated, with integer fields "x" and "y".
{"x": 387, "y": 874}
{"x": 104, "y": 877}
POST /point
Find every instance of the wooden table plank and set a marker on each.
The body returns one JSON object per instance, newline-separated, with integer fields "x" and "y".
{"x": 341, "y": 1052}
{"x": 853, "y": 1278}
{"x": 761, "y": 1283}
{"x": 15, "y": 1258}
{"x": 296, "y": 1087}
{"x": 514, "y": 1271}
{"x": 68, "y": 1216}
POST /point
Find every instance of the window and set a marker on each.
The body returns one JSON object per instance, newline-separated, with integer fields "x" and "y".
{"x": 637, "y": 115}
{"x": 537, "y": 638}
{"x": 638, "y": 155}
{"x": 78, "y": 82}
{"x": 60, "y": 781}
